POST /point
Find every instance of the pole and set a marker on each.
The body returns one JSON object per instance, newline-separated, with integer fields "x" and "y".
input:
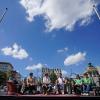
{"x": 96, "y": 12}
{"x": 3, "y": 15}
{"x": 70, "y": 73}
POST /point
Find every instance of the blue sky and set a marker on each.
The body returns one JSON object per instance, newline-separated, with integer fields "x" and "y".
{"x": 47, "y": 46}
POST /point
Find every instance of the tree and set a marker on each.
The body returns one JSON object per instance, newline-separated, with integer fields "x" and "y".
{"x": 53, "y": 77}
{"x": 8, "y": 74}
{"x": 2, "y": 77}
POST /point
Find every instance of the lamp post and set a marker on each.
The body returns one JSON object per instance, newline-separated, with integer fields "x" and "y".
{"x": 2, "y": 16}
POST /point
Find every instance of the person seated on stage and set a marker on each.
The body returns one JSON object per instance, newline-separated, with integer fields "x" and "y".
{"x": 31, "y": 84}
{"x": 78, "y": 85}
{"x": 46, "y": 84}
{"x": 67, "y": 86}
{"x": 24, "y": 87}
{"x": 39, "y": 87}
{"x": 86, "y": 84}
{"x": 60, "y": 84}
{"x": 96, "y": 86}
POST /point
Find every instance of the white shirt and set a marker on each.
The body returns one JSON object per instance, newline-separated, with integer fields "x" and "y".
{"x": 46, "y": 80}
{"x": 60, "y": 80}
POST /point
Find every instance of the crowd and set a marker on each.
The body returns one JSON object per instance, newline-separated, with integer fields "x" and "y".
{"x": 79, "y": 85}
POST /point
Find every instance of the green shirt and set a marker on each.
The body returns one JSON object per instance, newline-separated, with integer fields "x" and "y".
{"x": 78, "y": 81}
{"x": 87, "y": 81}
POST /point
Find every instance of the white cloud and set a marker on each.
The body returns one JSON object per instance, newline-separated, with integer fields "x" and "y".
{"x": 15, "y": 51}
{"x": 74, "y": 58}
{"x": 64, "y": 73}
{"x": 34, "y": 67}
{"x": 62, "y": 50}
{"x": 60, "y": 13}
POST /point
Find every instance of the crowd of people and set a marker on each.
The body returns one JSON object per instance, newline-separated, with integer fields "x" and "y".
{"x": 79, "y": 85}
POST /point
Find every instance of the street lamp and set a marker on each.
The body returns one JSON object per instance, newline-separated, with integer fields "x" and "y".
{"x": 2, "y": 16}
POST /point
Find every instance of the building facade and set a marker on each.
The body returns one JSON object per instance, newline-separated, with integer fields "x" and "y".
{"x": 91, "y": 70}
{"x": 57, "y": 71}
{"x": 5, "y": 66}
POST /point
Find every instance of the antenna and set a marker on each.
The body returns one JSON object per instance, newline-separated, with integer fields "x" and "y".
{"x": 3, "y": 15}
{"x": 94, "y": 7}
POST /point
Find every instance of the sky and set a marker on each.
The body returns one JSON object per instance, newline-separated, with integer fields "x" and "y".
{"x": 51, "y": 33}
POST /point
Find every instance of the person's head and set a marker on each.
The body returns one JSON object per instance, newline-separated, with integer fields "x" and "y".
{"x": 60, "y": 74}
{"x": 31, "y": 74}
{"x": 25, "y": 78}
{"x": 89, "y": 75}
{"x": 96, "y": 75}
{"x": 86, "y": 75}
{"x": 77, "y": 76}
{"x": 13, "y": 74}
{"x": 46, "y": 74}
{"x": 67, "y": 79}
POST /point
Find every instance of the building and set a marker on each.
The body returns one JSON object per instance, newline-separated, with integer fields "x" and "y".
{"x": 5, "y": 72}
{"x": 5, "y": 66}
{"x": 49, "y": 71}
{"x": 91, "y": 70}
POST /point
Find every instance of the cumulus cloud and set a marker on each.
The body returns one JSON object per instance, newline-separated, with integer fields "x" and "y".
{"x": 74, "y": 58}
{"x": 34, "y": 67}
{"x": 15, "y": 51}
{"x": 62, "y": 50}
{"x": 60, "y": 13}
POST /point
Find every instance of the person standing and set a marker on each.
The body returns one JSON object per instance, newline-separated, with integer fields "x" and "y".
{"x": 67, "y": 86}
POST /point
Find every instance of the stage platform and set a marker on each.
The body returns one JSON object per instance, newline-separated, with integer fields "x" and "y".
{"x": 46, "y": 97}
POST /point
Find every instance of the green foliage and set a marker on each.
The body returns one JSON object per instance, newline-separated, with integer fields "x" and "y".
{"x": 9, "y": 74}
{"x": 2, "y": 77}
{"x": 53, "y": 77}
